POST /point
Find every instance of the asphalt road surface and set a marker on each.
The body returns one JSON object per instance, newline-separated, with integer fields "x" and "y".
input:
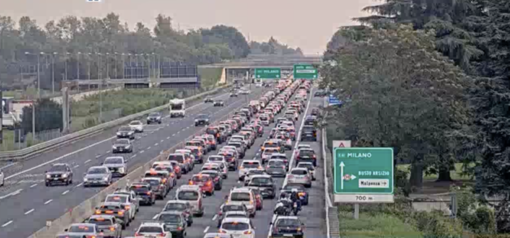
{"x": 26, "y": 204}
{"x": 312, "y": 215}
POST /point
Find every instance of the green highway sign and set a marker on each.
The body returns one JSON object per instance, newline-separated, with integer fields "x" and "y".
{"x": 363, "y": 175}
{"x": 305, "y": 71}
{"x": 268, "y": 73}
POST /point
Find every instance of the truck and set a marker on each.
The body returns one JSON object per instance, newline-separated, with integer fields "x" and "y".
{"x": 177, "y": 108}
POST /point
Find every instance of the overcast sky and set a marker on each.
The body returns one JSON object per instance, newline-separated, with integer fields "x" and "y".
{"x": 304, "y": 23}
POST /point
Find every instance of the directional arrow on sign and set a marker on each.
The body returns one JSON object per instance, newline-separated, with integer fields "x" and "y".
{"x": 342, "y": 165}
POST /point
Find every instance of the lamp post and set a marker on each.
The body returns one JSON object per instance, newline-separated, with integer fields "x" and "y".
{"x": 67, "y": 58}
{"x": 116, "y": 66}
{"x": 53, "y": 72}
{"x": 123, "y": 66}
{"x": 107, "y": 68}
{"x": 89, "y": 59}
{"x": 38, "y": 91}
{"x": 131, "y": 65}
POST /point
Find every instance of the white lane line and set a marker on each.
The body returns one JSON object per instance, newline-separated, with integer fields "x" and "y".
{"x": 161, "y": 141}
{"x": 214, "y": 217}
{"x": 168, "y": 137}
{"x": 156, "y": 144}
{"x": 108, "y": 151}
{"x": 65, "y": 192}
{"x": 76, "y": 166}
{"x": 79, "y": 184}
{"x": 29, "y": 211}
{"x": 59, "y": 158}
{"x": 141, "y": 152}
{"x": 45, "y": 203}
{"x": 173, "y": 134}
{"x": 11, "y": 194}
{"x": 155, "y": 216}
{"x": 16, "y": 192}
{"x": 7, "y": 223}
{"x": 97, "y": 156}
{"x": 148, "y": 148}
{"x": 86, "y": 161}
{"x": 206, "y": 229}
{"x": 33, "y": 185}
{"x": 133, "y": 156}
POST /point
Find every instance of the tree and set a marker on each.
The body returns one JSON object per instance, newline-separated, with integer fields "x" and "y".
{"x": 48, "y": 116}
{"x": 272, "y": 46}
{"x": 405, "y": 95}
{"x": 230, "y": 35}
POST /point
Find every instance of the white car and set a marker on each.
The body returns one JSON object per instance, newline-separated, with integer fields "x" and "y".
{"x": 300, "y": 176}
{"x": 248, "y": 165}
{"x": 126, "y": 202}
{"x": 2, "y": 178}
{"x": 309, "y": 166}
{"x": 238, "y": 227}
{"x": 152, "y": 229}
{"x": 116, "y": 164}
{"x": 136, "y": 126}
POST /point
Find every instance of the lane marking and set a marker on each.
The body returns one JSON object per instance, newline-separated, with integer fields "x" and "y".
{"x": 76, "y": 166}
{"x": 16, "y": 192}
{"x": 79, "y": 184}
{"x": 148, "y": 148}
{"x": 9, "y": 165}
{"x": 173, "y": 134}
{"x": 133, "y": 156}
{"x": 206, "y": 229}
{"x": 11, "y": 194}
{"x": 29, "y": 211}
{"x": 141, "y": 152}
{"x": 97, "y": 156}
{"x": 7, "y": 223}
{"x": 108, "y": 151}
{"x": 156, "y": 144}
{"x": 33, "y": 185}
{"x": 45, "y": 203}
{"x": 86, "y": 161}
{"x": 161, "y": 141}
{"x": 65, "y": 192}
{"x": 155, "y": 216}
{"x": 214, "y": 217}
{"x": 168, "y": 137}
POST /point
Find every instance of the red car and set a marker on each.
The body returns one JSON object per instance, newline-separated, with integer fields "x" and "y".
{"x": 258, "y": 198}
{"x": 204, "y": 181}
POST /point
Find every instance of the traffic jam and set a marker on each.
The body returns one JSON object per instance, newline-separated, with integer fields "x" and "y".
{"x": 205, "y": 164}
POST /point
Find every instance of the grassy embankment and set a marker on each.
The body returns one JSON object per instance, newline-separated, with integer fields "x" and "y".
{"x": 209, "y": 77}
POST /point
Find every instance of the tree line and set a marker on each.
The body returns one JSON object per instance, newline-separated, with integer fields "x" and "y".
{"x": 432, "y": 80}
{"x": 71, "y": 47}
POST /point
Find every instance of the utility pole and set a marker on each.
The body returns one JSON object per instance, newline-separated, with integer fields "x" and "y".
{"x": 107, "y": 68}
{"x": 53, "y": 72}
{"x": 89, "y": 59}
{"x": 116, "y": 66}
{"x": 123, "y": 66}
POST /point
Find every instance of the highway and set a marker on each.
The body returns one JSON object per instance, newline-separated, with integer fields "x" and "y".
{"x": 26, "y": 204}
{"x": 312, "y": 215}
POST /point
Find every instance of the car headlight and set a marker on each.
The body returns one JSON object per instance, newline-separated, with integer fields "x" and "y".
{"x": 206, "y": 119}
{"x": 114, "y": 147}
{"x": 105, "y": 178}
{"x": 85, "y": 179}
{"x": 64, "y": 175}
{"x": 196, "y": 120}
{"x": 48, "y": 176}
{"x": 118, "y": 133}
{"x": 130, "y": 133}
{"x": 127, "y": 146}
{"x": 121, "y": 169}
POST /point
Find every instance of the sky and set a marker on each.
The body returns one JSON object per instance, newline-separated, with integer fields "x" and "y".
{"x": 299, "y": 23}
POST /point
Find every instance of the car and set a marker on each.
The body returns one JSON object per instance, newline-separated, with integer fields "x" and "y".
{"x": 166, "y": 179}
{"x": 114, "y": 209}
{"x": 233, "y": 94}
{"x": 309, "y": 166}
{"x": 310, "y": 120}
{"x": 81, "y": 230}
{"x": 243, "y": 195}
{"x": 301, "y": 190}
{"x": 316, "y": 112}
{"x": 117, "y": 165}
{"x": 180, "y": 159}
{"x": 2, "y": 178}
{"x": 59, "y": 173}
{"x": 126, "y": 132}
{"x": 202, "y": 119}
{"x": 216, "y": 178}
{"x": 287, "y": 226}
{"x": 108, "y": 225}
{"x": 143, "y": 191}
{"x": 230, "y": 157}
{"x": 208, "y": 100}
{"x": 136, "y": 126}
{"x": 204, "y": 181}
{"x": 152, "y": 229}
{"x": 126, "y": 202}
{"x": 300, "y": 176}
{"x": 276, "y": 171}
{"x": 180, "y": 206}
{"x": 320, "y": 93}
{"x": 230, "y": 207}
{"x": 174, "y": 222}
{"x": 308, "y": 133}
{"x": 219, "y": 103}
{"x": 306, "y": 155}
{"x": 122, "y": 146}
{"x": 281, "y": 156}
{"x": 238, "y": 227}
{"x": 218, "y": 235}
{"x": 157, "y": 187}
{"x": 97, "y": 175}
{"x": 154, "y": 117}
{"x": 292, "y": 115}
{"x": 246, "y": 166}
{"x": 168, "y": 167}
{"x": 192, "y": 155}
{"x": 259, "y": 201}
{"x": 221, "y": 167}
{"x": 268, "y": 152}
{"x": 193, "y": 195}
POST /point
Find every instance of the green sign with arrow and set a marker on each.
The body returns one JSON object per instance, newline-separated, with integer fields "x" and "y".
{"x": 363, "y": 175}
{"x": 268, "y": 73}
{"x": 305, "y": 71}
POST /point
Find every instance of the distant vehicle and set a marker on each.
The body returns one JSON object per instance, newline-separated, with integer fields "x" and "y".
{"x": 219, "y": 103}
{"x": 2, "y": 178}
{"x": 152, "y": 229}
{"x": 136, "y": 126}
{"x": 97, "y": 175}
{"x": 116, "y": 164}
{"x": 81, "y": 230}
{"x": 208, "y": 100}
{"x": 177, "y": 108}
{"x": 202, "y": 119}
{"x": 126, "y": 132}
{"x": 122, "y": 146}
{"x": 58, "y": 173}
{"x": 233, "y": 94}
{"x": 154, "y": 117}
{"x": 108, "y": 225}
{"x": 309, "y": 133}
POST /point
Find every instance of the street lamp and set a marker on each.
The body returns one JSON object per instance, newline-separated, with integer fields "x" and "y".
{"x": 123, "y": 66}
{"x": 67, "y": 58}
{"x": 38, "y": 91}
{"x": 53, "y": 72}
{"x": 89, "y": 59}
{"x": 78, "y": 66}
{"x": 116, "y": 66}
{"x": 107, "y": 68}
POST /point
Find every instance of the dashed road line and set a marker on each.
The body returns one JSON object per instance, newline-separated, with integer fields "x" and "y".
{"x": 173, "y": 134}
{"x": 168, "y": 137}
{"x": 156, "y": 144}
{"x": 214, "y": 217}
{"x": 108, "y": 151}
{"x": 45, "y": 203}
{"x": 133, "y": 156}
{"x": 148, "y": 148}
{"x": 65, "y": 192}
{"x": 7, "y": 223}
{"x": 156, "y": 216}
{"x": 161, "y": 141}
{"x": 206, "y": 229}
{"x": 76, "y": 166}
{"x": 86, "y": 161}
{"x": 29, "y": 211}
{"x": 141, "y": 152}
{"x": 33, "y": 185}
{"x": 79, "y": 184}
{"x": 97, "y": 156}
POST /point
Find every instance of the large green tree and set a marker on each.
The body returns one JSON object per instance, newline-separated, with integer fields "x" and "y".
{"x": 405, "y": 94}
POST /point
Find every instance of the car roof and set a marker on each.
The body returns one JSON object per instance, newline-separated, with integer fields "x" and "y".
{"x": 250, "y": 160}
{"x": 307, "y": 162}
{"x": 279, "y": 154}
{"x": 171, "y": 212}
{"x": 189, "y": 187}
{"x": 241, "y": 189}
{"x": 299, "y": 169}
{"x": 209, "y": 171}
{"x": 148, "y": 223}
{"x": 102, "y": 216}
{"x": 236, "y": 219}
{"x": 151, "y": 178}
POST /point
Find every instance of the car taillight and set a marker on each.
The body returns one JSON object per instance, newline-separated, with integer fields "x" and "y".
{"x": 149, "y": 193}
{"x": 162, "y": 235}
{"x": 297, "y": 157}
{"x": 301, "y": 194}
{"x": 98, "y": 211}
{"x": 220, "y": 213}
{"x": 127, "y": 207}
{"x": 179, "y": 228}
{"x": 121, "y": 213}
{"x": 247, "y": 232}
{"x": 191, "y": 183}
{"x": 163, "y": 181}
{"x": 251, "y": 201}
{"x": 209, "y": 183}
{"x": 172, "y": 174}
{"x": 299, "y": 229}
{"x": 314, "y": 156}
{"x": 241, "y": 167}
{"x": 112, "y": 228}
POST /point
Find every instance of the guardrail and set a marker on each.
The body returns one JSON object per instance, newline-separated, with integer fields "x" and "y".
{"x": 63, "y": 140}
{"x": 86, "y": 209}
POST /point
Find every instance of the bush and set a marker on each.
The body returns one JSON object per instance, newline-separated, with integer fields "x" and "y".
{"x": 435, "y": 225}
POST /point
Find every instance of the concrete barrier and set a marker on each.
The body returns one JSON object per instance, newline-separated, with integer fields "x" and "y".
{"x": 17, "y": 155}
{"x": 86, "y": 208}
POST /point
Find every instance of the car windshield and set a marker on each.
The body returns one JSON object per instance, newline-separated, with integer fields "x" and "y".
{"x": 175, "y": 206}
{"x": 58, "y": 168}
{"x": 121, "y": 199}
{"x": 177, "y": 106}
{"x": 308, "y": 129}
{"x": 97, "y": 171}
{"x": 240, "y": 197}
{"x": 250, "y": 165}
{"x": 299, "y": 172}
{"x": 199, "y": 179}
{"x": 305, "y": 165}
{"x": 278, "y": 157}
{"x": 176, "y": 157}
{"x": 235, "y": 226}
{"x": 211, "y": 131}
{"x": 269, "y": 152}
{"x": 135, "y": 123}
{"x": 306, "y": 153}
{"x": 212, "y": 174}
{"x": 113, "y": 161}
{"x": 263, "y": 118}
{"x": 235, "y": 215}
{"x": 215, "y": 158}
{"x": 154, "y": 114}
{"x": 150, "y": 229}
{"x": 261, "y": 180}
{"x": 81, "y": 229}
{"x": 256, "y": 171}
{"x": 100, "y": 221}
{"x": 139, "y": 189}
{"x": 237, "y": 145}
{"x": 122, "y": 142}
{"x": 270, "y": 144}
{"x": 187, "y": 195}
{"x": 125, "y": 129}
{"x": 170, "y": 218}
{"x": 288, "y": 223}
{"x": 153, "y": 182}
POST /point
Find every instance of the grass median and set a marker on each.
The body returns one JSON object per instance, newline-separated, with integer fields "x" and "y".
{"x": 375, "y": 226}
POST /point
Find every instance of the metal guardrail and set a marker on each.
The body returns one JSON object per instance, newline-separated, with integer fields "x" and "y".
{"x": 63, "y": 140}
